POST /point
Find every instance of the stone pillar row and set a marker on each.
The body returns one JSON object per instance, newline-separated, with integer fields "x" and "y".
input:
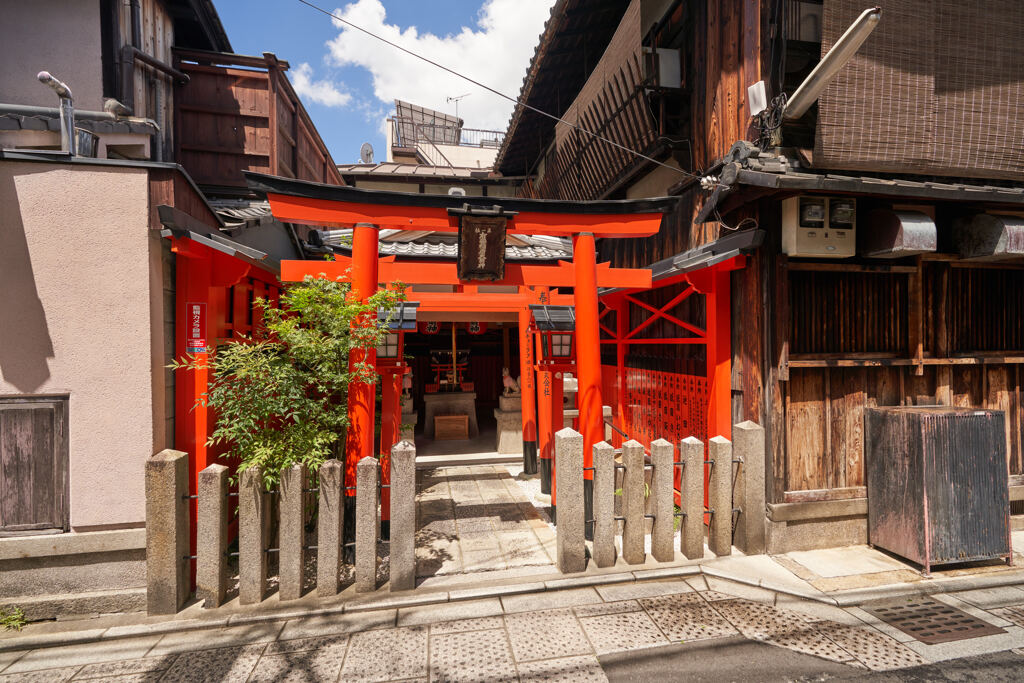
{"x": 167, "y": 524}
{"x": 634, "y": 496}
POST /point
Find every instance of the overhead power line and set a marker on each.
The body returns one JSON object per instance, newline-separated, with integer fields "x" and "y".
{"x": 489, "y": 89}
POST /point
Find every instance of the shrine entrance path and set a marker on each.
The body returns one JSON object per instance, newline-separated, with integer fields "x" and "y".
{"x": 479, "y": 519}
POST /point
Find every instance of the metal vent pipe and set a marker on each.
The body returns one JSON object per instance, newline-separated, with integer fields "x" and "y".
{"x": 67, "y": 112}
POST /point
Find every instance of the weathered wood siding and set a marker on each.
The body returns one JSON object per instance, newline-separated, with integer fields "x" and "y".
{"x": 850, "y": 337}
{"x": 33, "y": 464}
{"x": 240, "y": 113}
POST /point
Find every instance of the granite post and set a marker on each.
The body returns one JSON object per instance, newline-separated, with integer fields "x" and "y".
{"x": 403, "y": 516}
{"x": 748, "y": 442}
{"x": 604, "y": 504}
{"x": 633, "y": 503}
{"x": 367, "y": 524}
{"x": 570, "y": 524}
{"x": 720, "y": 496}
{"x": 330, "y": 523}
{"x": 662, "y": 501}
{"x": 292, "y": 531}
{"x": 691, "y": 540}
{"x": 252, "y": 537}
{"x": 212, "y": 536}
{"x": 167, "y": 578}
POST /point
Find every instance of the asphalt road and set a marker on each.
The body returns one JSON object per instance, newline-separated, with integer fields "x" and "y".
{"x": 740, "y": 660}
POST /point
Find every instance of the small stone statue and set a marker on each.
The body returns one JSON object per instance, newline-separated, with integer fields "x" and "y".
{"x": 407, "y": 383}
{"x": 511, "y": 384}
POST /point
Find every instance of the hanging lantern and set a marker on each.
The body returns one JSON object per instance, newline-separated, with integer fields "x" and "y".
{"x": 557, "y": 328}
{"x": 398, "y": 321}
{"x": 476, "y": 327}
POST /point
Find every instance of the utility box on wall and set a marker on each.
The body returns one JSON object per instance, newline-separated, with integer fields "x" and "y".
{"x": 937, "y": 483}
{"x": 820, "y": 227}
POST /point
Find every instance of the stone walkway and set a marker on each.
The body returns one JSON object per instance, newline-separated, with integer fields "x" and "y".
{"x": 478, "y": 519}
{"x": 554, "y": 636}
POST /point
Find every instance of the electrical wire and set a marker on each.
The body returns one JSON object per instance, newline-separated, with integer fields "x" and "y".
{"x": 495, "y": 91}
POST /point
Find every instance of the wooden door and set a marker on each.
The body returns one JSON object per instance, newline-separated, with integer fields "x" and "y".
{"x": 33, "y": 464}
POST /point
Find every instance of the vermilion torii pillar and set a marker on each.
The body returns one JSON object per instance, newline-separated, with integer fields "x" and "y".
{"x": 528, "y": 393}
{"x": 588, "y": 360}
{"x": 359, "y": 442}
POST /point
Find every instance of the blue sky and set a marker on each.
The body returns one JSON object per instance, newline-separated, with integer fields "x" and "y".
{"x": 347, "y": 81}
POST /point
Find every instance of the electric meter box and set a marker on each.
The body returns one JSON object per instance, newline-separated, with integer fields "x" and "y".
{"x": 822, "y": 227}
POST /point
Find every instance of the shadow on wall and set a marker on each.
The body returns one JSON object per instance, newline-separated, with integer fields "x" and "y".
{"x": 25, "y": 343}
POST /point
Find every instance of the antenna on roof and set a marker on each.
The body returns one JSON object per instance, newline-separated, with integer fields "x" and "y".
{"x": 456, "y": 101}
{"x": 366, "y": 153}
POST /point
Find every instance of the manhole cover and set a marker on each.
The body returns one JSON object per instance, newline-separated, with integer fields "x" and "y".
{"x": 931, "y": 621}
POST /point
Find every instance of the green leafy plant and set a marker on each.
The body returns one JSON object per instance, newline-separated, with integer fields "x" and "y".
{"x": 13, "y": 620}
{"x": 281, "y": 400}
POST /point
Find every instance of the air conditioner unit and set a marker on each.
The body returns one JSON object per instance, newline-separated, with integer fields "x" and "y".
{"x": 818, "y": 226}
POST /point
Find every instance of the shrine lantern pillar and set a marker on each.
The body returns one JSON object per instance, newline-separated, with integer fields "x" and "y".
{"x": 528, "y": 393}
{"x": 360, "y": 442}
{"x": 588, "y": 361}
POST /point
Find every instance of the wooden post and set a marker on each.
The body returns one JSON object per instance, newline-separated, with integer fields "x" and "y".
{"x": 545, "y": 423}
{"x": 528, "y": 393}
{"x": 361, "y": 395}
{"x": 588, "y": 359}
{"x": 292, "y": 531}
{"x": 212, "y": 526}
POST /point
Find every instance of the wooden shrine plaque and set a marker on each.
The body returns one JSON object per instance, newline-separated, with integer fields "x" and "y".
{"x": 451, "y": 427}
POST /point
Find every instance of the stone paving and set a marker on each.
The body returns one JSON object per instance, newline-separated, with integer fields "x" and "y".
{"x": 513, "y": 638}
{"x": 477, "y": 518}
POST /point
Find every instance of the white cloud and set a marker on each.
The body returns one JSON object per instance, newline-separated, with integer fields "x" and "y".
{"x": 495, "y": 51}
{"x": 322, "y": 92}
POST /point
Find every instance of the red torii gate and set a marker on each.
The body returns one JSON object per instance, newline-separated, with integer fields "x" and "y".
{"x": 368, "y": 211}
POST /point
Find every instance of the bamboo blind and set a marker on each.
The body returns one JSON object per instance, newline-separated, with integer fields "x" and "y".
{"x": 937, "y": 89}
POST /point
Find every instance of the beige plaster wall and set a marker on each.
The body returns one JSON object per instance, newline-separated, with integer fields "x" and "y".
{"x": 76, "y": 261}
{"x": 59, "y": 36}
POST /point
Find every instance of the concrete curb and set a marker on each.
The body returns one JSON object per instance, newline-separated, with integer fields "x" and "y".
{"x": 846, "y": 598}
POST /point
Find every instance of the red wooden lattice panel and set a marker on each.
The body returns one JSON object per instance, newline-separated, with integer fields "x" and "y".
{"x": 665, "y": 405}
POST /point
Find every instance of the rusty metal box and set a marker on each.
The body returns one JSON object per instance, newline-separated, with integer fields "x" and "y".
{"x": 937, "y": 483}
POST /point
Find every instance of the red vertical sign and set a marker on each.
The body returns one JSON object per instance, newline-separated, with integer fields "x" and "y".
{"x": 195, "y": 327}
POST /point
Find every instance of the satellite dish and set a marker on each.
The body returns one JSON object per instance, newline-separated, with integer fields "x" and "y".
{"x": 366, "y": 153}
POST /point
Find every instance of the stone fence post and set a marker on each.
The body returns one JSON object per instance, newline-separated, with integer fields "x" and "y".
{"x": 403, "y": 516}
{"x": 634, "y": 503}
{"x": 569, "y": 494}
{"x": 604, "y": 504}
{"x": 330, "y": 524}
{"x": 212, "y": 536}
{"x": 691, "y": 540}
{"x": 720, "y": 496}
{"x": 367, "y": 524}
{"x": 252, "y": 537}
{"x": 167, "y": 544}
{"x": 662, "y": 501}
{"x": 748, "y": 491}
{"x": 292, "y": 532}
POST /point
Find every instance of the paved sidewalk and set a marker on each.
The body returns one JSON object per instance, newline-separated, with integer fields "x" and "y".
{"x": 553, "y": 636}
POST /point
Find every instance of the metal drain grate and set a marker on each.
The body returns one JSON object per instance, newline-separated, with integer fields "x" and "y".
{"x": 930, "y": 621}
